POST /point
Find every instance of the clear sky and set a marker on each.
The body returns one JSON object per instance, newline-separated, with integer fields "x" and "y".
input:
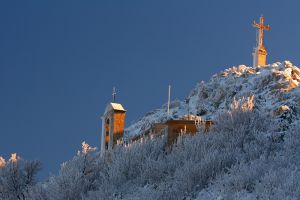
{"x": 60, "y": 59}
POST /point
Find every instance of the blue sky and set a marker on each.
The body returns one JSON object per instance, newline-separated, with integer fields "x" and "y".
{"x": 60, "y": 60}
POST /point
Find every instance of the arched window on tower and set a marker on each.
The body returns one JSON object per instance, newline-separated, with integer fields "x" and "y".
{"x": 107, "y": 124}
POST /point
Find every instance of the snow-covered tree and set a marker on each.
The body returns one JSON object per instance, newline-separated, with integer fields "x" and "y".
{"x": 17, "y": 177}
{"x": 2, "y": 162}
{"x": 75, "y": 179}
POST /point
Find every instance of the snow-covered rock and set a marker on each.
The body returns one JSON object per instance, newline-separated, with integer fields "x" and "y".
{"x": 274, "y": 87}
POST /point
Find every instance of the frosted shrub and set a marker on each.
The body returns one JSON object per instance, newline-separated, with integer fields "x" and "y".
{"x": 282, "y": 180}
{"x": 17, "y": 176}
{"x": 193, "y": 163}
{"x": 292, "y": 145}
{"x": 2, "y": 162}
{"x": 134, "y": 166}
{"x": 279, "y": 183}
{"x": 199, "y": 159}
{"x": 234, "y": 158}
{"x": 249, "y": 129}
{"x": 75, "y": 179}
{"x": 240, "y": 116}
{"x": 241, "y": 177}
{"x": 270, "y": 173}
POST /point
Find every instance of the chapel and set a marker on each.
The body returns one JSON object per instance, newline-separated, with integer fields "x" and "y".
{"x": 113, "y": 124}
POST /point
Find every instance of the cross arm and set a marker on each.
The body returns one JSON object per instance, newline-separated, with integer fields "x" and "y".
{"x": 261, "y": 26}
{"x": 256, "y": 25}
{"x": 266, "y": 27}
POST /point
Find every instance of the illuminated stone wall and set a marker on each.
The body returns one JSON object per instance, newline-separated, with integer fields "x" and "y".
{"x": 119, "y": 125}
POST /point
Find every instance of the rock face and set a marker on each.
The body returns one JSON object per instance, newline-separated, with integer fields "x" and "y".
{"x": 274, "y": 89}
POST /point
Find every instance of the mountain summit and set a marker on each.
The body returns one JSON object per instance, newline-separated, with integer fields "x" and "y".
{"x": 273, "y": 89}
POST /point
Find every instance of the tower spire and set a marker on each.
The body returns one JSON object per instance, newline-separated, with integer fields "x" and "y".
{"x": 114, "y": 93}
{"x": 260, "y": 52}
{"x": 169, "y": 99}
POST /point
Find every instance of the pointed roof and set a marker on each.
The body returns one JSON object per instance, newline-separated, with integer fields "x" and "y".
{"x": 115, "y": 107}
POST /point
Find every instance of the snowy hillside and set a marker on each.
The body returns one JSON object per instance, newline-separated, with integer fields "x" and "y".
{"x": 274, "y": 88}
{"x": 253, "y": 151}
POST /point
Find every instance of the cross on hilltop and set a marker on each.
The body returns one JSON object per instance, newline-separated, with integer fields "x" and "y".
{"x": 260, "y": 52}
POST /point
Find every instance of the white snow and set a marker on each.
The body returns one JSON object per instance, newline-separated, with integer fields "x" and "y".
{"x": 272, "y": 86}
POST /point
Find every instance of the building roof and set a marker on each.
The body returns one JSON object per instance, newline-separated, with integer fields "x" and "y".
{"x": 117, "y": 106}
{"x": 114, "y": 107}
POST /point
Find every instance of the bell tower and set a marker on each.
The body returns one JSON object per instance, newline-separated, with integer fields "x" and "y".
{"x": 260, "y": 52}
{"x": 113, "y": 124}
